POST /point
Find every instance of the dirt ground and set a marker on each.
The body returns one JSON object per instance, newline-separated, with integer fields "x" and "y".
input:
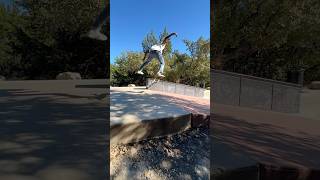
{"x": 182, "y": 156}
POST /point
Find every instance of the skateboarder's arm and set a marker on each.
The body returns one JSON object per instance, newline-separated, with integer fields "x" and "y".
{"x": 166, "y": 39}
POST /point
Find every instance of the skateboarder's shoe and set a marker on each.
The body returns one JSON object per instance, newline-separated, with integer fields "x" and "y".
{"x": 140, "y": 72}
{"x": 160, "y": 75}
{"x": 97, "y": 35}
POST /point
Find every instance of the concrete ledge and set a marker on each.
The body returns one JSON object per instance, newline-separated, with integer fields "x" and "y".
{"x": 313, "y": 85}
{"x": 135, "y": 132}
{"x": 137, "y": 114}
{"x": 254, "y": 78}
{"x": 182, "y": 89}
{"x": 198, "y": 120}
{"x": 147, "y": 129}
{"x": 254, "y": 92}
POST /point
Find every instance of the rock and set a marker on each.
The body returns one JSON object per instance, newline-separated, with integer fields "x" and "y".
{"x": 68, "y": 76}
{"x": 2, "y": 78}
{"x": 315, "y": 85}
{"x": 131, "y": 85}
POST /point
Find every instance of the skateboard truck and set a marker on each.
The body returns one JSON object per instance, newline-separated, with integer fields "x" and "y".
{"x": 154, "y": 81}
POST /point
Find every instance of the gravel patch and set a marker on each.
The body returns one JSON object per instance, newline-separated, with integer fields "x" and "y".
{"x": 181, "y": 156}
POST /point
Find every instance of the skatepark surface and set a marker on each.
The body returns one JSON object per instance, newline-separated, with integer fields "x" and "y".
{"x": 167, "y": 148}
{"x": 243, "y": 137}
{"x": 138, "y": 114}
{"x": 129, "y": 106}
{"x": 49, "y": 128}
{"x": 53, "y": 129}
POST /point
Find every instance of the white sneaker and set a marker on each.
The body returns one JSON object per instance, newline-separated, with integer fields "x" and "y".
{"x": 160, "y": 75}
{"x": 97, "y": 35}
{"x": 140, "y": 72}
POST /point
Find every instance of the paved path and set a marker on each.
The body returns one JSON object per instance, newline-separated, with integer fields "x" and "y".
{"x": 53, "y": 130}
{"x": 242, "y": 137}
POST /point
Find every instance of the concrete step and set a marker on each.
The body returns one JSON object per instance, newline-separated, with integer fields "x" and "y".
{"x": 136, "y": 115}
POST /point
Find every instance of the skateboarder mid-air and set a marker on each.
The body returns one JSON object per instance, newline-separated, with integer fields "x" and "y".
{"x": 156, "y": 52}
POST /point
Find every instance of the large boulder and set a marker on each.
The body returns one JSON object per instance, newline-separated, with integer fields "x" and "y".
{"x": 315, "y": 85}
{"x": 2, "y": 78}
{"x": 68, "y": 76}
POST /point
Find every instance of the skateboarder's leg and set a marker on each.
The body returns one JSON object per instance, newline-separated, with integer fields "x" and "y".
{"x": 161, "y": 61}
{"x": 100, "y": 20}
{"x": 146, "y": 62}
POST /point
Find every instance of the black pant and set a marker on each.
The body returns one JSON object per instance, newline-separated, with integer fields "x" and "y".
{"x": 100, "y": 20}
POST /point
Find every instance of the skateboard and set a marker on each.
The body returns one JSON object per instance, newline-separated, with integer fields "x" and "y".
{"x": 154, "y": 81}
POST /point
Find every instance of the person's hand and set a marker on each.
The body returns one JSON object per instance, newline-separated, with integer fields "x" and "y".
{"x": 173, "y": 34}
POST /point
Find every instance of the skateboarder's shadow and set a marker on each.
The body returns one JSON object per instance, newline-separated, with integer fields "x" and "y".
{"x": 92, "y": 86}
{"x": 140, "y": 88}
{"x": 136, "y": 92}
{"x": 96, "y": 96}
{"x": 100, "y": 96}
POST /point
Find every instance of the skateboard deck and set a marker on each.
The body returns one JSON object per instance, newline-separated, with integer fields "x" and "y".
{"x": 153, "y": 82}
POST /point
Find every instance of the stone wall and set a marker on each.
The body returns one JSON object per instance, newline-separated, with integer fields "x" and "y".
{"x": 249, "y": 91}
{"x": 179, "y": 89}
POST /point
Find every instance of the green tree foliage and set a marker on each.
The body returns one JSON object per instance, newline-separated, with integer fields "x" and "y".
{"x": 9, "y": 16}
{"x": 149, "y": 41}
{"x": 267, "y": 38}
{"x": 190, "y": 68}
{"x": 48, "y": 40}
{"x": 124, "y": 70}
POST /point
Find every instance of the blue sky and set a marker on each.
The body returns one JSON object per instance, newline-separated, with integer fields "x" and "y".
{"x": 131, "y": 20}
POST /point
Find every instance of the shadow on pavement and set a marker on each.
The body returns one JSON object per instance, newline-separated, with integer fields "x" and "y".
{"x": 240, "y": 142}
{"x": 48, "y": 136}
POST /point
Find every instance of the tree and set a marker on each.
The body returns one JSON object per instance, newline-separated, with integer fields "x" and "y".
{"x": 9, "y": 61}
{"x": 124, "y": 69}
{"x": 266, "y": 38}
{"x": 191, "y": 69}
{"x": 149, "y": 41}
{"x": 49, "y": 40}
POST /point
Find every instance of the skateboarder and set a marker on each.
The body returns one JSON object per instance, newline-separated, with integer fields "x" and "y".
{"x": 95, "y": 33}
{"x": 156, "y": 52}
